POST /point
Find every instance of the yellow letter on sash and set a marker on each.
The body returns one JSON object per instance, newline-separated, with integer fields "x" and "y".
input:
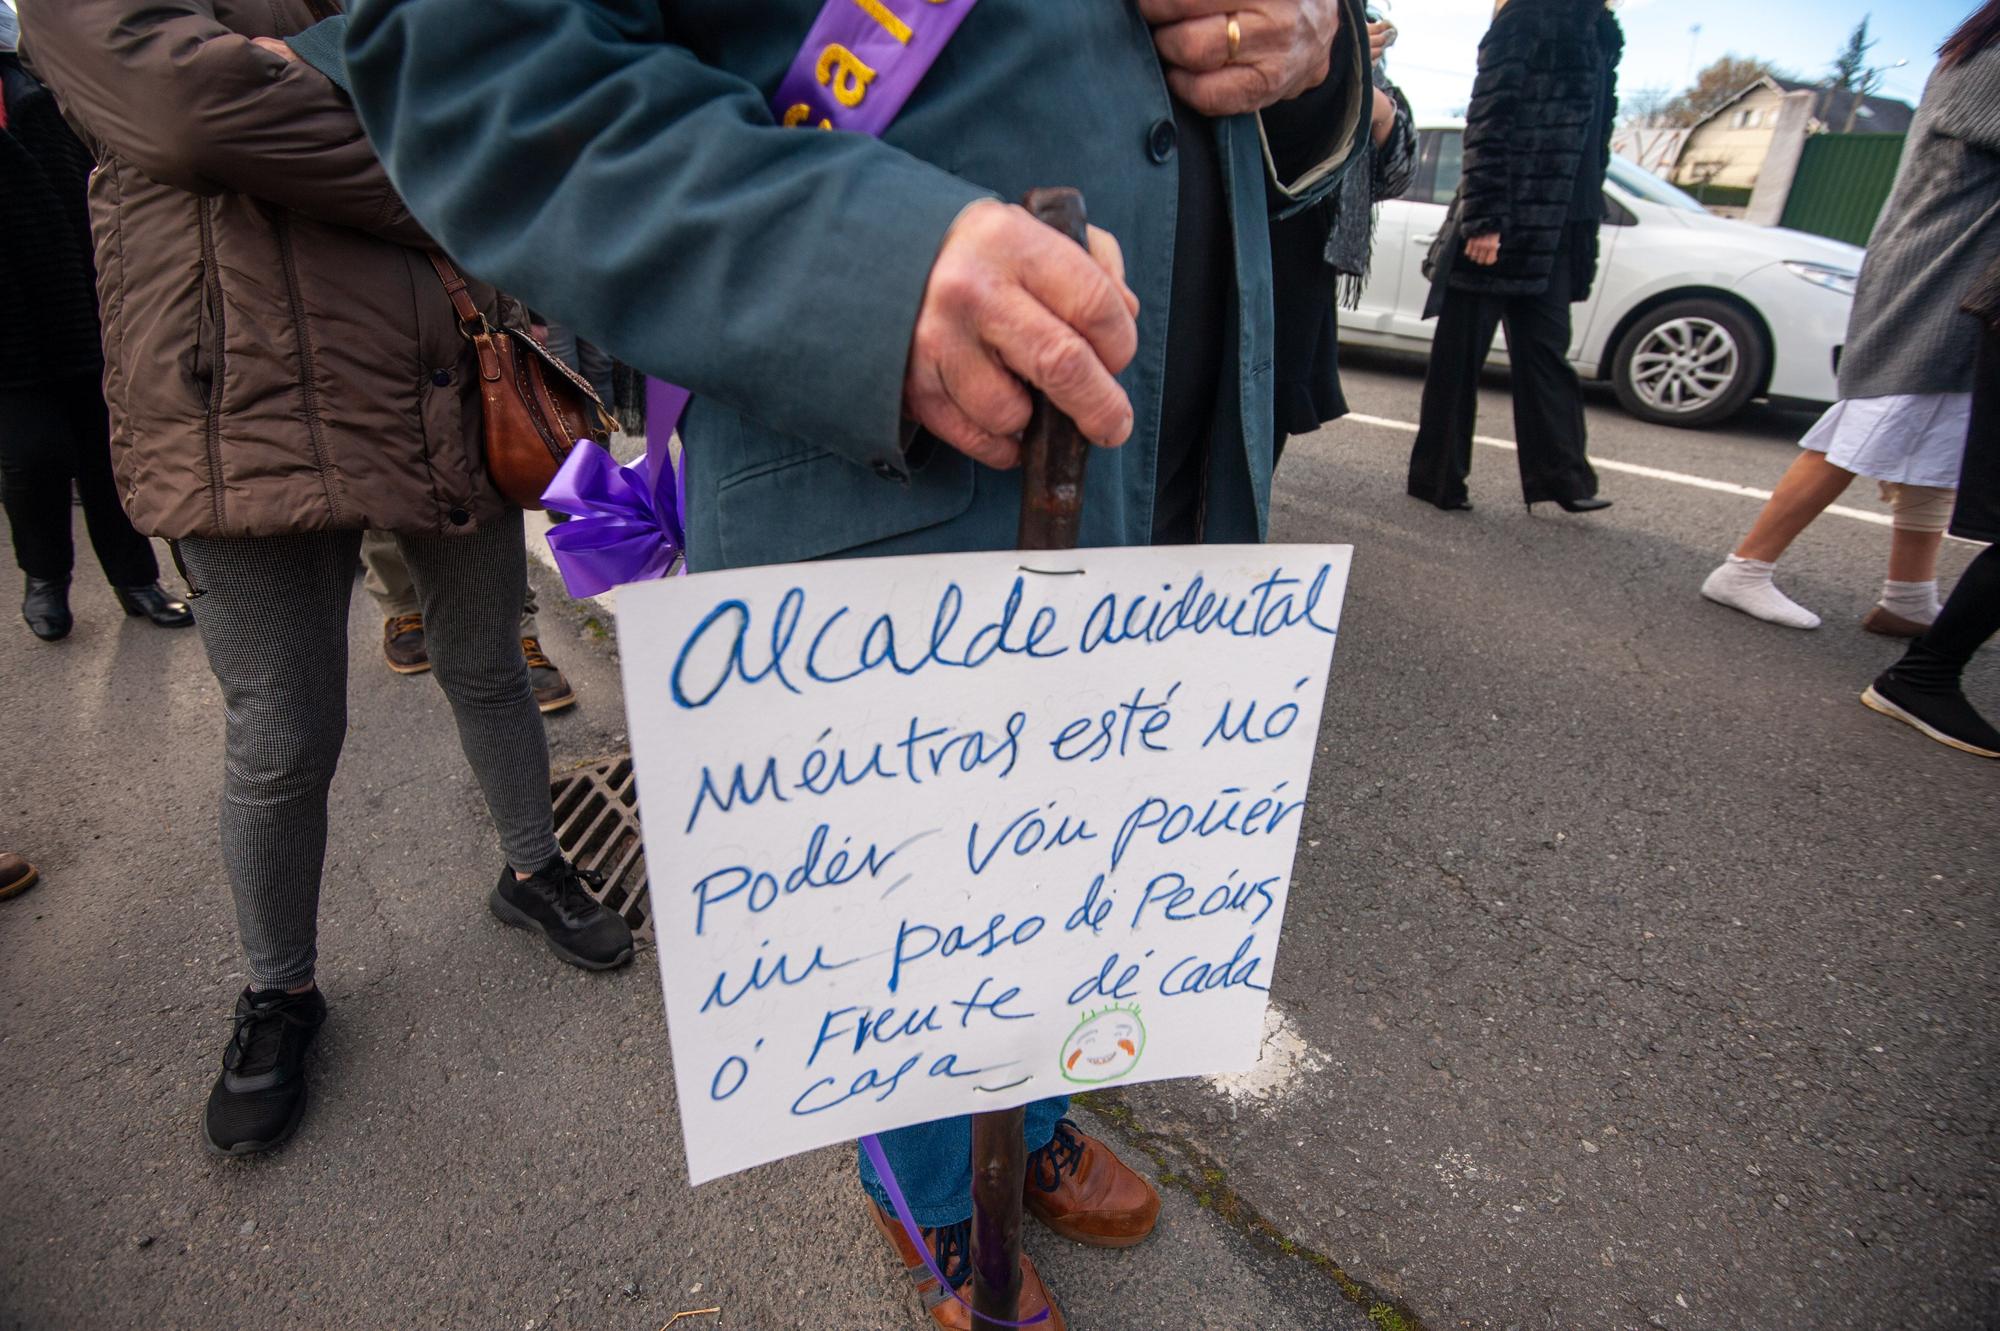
{"x": 845, "y": 73}
{"x": 796, "y": 116}
{"x": 892, "y": 25}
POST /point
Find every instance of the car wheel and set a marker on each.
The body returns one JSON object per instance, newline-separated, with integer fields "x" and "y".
{"x": 1689, "y": 363}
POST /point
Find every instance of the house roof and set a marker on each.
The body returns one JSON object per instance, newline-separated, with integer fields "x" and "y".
{"x": 1878, "y": 115}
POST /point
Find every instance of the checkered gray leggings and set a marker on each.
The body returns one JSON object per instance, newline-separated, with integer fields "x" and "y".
{"x": 273, "y": 618}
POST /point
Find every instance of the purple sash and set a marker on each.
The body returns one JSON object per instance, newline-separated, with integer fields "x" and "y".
{"x": 859, "y": 65}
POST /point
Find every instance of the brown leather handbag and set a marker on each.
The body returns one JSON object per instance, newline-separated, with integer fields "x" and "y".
{"x": 535, "y": 407}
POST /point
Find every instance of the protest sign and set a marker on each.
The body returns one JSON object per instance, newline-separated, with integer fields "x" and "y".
{"x": 946, "y": 834}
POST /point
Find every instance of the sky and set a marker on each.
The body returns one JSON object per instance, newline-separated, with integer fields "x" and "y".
{"x": 1434, "y": 56}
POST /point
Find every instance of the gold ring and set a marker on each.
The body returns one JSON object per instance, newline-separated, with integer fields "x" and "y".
{"x": 1235, "y": 39}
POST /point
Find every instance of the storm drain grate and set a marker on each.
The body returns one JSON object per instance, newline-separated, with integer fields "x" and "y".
{"x": 597, "y": 824}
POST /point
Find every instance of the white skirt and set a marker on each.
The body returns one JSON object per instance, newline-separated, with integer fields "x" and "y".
{"x": 1915, "y": 439}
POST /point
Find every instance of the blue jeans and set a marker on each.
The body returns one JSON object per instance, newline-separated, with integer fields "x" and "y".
{"x": 933, "y": 1163}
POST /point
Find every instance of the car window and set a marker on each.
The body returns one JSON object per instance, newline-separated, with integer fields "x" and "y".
{"x": 1450, "y": 163}
{"x": 1640, "y": 183}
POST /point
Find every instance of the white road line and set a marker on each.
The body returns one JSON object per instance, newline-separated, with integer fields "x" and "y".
{"x": 1634, "y": 469}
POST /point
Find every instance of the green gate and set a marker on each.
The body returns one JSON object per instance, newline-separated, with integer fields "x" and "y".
{"x": 1843, "y": 181}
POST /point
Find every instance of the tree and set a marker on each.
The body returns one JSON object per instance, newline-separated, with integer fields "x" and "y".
{"x": 1850, "y": 67}
{"x": 1714, "y": 86}
{"x": 1852, "y": 73}
{"x": 1647, "y": 108}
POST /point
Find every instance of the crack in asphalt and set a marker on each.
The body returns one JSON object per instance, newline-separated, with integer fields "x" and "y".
{"x": 1181, "y": 1164}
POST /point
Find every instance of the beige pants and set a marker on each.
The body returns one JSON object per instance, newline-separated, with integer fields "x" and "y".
{"x": 389, "y": 582}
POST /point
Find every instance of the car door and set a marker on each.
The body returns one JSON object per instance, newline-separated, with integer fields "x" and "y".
{"x": 1424, "y": 204}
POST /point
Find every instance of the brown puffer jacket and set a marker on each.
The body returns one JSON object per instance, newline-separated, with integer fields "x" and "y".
{"x": 278, "y": 356}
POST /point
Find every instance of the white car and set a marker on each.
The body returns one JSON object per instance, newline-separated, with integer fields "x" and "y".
{"x": 1692, "y": 314}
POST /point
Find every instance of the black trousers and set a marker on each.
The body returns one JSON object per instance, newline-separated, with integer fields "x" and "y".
{"x": 51, "y": 436}
{"x": 1548, "y": 404}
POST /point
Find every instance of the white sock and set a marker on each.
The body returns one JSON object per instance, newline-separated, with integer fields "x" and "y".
{"x": 1917, "y": 601}
{"x": 1745, "y": 584}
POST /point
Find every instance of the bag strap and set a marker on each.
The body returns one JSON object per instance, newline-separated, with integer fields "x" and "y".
{"x": 470, "y": 320}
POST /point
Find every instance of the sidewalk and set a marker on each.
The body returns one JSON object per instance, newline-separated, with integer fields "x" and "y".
{"x": 492, "y": 1141}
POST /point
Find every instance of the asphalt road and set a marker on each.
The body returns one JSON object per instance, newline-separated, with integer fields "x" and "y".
{"x": 1635, "y": 976}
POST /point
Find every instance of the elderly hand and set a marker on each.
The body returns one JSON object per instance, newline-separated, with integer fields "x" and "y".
{"x": 1284, "y": 47}
{"x": 1483, "y": 250}
{"x": 1381, "y": 36}
{"x": 1012, "y": 299}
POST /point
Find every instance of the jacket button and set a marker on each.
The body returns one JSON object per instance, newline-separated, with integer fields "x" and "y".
{"x": 1160, "y": 141}
{"x": 459, "y": 517}
{"x": 442, "y": 378}
{"x": 889, "y": 471}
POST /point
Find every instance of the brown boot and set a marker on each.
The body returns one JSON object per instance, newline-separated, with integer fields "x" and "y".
{"x": 951, "y": 1249}
{"x": 552, "y": 691}
{"x": 1078, "y": 1188}
{"x": 403, "y": 644}
{"x": 16, "y": 875}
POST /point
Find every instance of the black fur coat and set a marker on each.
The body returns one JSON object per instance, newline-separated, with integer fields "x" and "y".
{"x": 1544, "y": 66}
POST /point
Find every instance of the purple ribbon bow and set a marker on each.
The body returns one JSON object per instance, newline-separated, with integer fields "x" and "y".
{"x": 627, "y": 523}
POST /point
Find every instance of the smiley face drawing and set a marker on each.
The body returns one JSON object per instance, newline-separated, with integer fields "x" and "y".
{"x": 1105, "y": 1046}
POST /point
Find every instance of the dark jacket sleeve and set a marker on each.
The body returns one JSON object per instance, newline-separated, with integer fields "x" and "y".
{"x": 168, "y": 89}
{"x": 1396, "y": 158}
{"x": 574, "y": 153}
{"x": 1489, "y": 126}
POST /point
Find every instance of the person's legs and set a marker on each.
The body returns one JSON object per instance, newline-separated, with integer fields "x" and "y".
{"x": 1924, "y": 689}
{"x": 273, "y": 621}
{"x": 1743, "y": 581}
{"x": 470, "y": 588}
{"x": 933, "y": 1162}
{"x": 388, "y": 582}
{"x": 1441, "y": 458}
{"x": 1548, "y": 402}
{"x": 35, "y": 481}
{"x": 126, "y": 557}
{"x": 1910, "y": 593}
{"x": 1803, "y": 493}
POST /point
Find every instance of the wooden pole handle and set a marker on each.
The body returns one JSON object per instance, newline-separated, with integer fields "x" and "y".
{"x": 1053, "y": 454}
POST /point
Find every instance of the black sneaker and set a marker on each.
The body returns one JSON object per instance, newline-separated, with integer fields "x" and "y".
{"x": 1942, "y": 713}
{"x": 553, "y": 903}
{"x": 261, "y": 1095}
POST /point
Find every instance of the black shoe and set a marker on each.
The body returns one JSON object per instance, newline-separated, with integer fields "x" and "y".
{"x": 261, "y": 1095}
{"x": 46, "y": 608}
{"x": 1460, "y": 505}
{"x": 1591, "y": 505}
{"x": 152, "y": 601}
{"x": 1944, "y": 714}
{"x": 553, "y": 903}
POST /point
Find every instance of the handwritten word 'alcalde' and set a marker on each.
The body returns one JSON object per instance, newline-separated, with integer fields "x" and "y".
{"x": 803, "y": 645}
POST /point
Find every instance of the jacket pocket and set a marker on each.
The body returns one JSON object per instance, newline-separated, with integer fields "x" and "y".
{"x": 816, "y": 504}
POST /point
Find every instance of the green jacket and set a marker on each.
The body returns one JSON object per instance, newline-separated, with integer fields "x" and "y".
{"x": 614, "y": 164}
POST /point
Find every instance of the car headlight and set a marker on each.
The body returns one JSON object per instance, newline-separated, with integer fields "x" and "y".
{"x": 1833, "y": 279}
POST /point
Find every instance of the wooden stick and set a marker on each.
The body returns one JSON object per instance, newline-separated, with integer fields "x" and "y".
{"x": 1052, "y": 462}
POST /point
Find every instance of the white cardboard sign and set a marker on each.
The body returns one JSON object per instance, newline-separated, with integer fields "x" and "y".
{"x": 935, "y": 835}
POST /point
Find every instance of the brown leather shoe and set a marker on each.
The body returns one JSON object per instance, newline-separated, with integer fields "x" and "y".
{"x": 403, "y": 644}
{"x": 951, "y": 1249}
{"x": 552, "y": 691}
{"x": 1882, "y": 620}
{"x": 16, "y": 875}
{"x": 1082, "y": 1191}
